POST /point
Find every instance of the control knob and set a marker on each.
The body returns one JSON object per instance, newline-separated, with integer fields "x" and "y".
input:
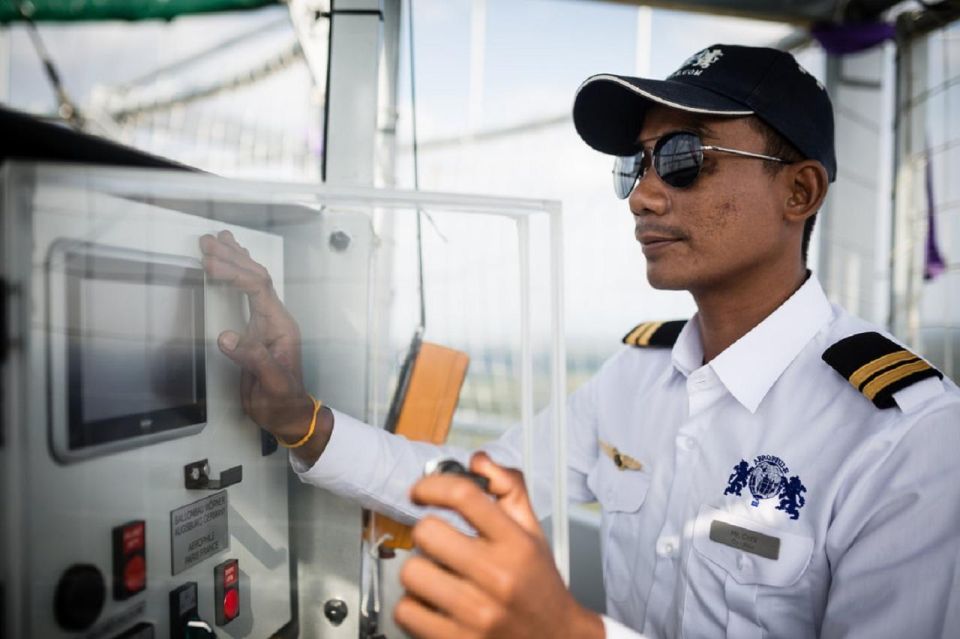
{"x": 79, "y": 598}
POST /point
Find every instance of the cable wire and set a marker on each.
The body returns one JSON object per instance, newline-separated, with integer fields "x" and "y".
{"x": 65, "y": 106}
{"x": 416, "y": 165}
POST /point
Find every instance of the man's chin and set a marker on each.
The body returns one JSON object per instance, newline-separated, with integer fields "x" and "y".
{"x": 662, "y": 280}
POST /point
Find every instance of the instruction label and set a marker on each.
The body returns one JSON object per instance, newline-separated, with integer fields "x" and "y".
{"x": 198, "y": 531}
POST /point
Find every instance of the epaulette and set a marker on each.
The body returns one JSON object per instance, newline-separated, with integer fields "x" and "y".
{"x": 663, "y": 334}
{"x": 877, "y": 366}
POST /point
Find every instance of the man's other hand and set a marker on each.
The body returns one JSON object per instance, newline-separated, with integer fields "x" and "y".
{"x": 267, "y": 351}
{"x": 502, "y": 583}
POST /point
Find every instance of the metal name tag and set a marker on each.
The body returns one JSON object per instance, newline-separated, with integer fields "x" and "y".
{"x": 745, "y": 539}
{"x": 198, "y": 531}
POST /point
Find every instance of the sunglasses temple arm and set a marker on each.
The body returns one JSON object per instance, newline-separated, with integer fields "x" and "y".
{"x": 746, "y": 154}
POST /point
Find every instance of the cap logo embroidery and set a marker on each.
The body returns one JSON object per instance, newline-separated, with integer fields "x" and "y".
{"x": 767, "y": 478}
{"x": 697, "y": 63}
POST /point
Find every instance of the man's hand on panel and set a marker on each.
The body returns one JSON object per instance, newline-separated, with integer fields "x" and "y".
{"x": 268, "y": 350}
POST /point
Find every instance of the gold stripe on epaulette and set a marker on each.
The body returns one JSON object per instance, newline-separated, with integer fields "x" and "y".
{"x": 643, "y": 339}
{"x": 632, "y": 337}
{"x": 882, "y": 381}
{"x": 866, "y": 371}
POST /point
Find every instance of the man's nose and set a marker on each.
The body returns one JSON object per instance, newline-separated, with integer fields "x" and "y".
{"x": 649, "y": 195}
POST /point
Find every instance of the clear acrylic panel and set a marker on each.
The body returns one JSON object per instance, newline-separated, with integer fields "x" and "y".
{"x": 139, "y": 499}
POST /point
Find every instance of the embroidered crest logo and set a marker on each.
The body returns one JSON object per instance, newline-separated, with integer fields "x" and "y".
{"x": 767, "y": 478}
{"x": 704, "y": 59}
{"x": 698, "y": 62}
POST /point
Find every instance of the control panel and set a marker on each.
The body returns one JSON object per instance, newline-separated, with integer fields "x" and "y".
{"x": 139, "y": 501}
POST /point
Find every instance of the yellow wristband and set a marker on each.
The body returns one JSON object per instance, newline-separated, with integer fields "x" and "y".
{"x": 317, "y": 405}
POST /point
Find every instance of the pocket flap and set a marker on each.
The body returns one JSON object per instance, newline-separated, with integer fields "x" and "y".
{"x": 618, "y": 490}
{"x": 793, "y": 551}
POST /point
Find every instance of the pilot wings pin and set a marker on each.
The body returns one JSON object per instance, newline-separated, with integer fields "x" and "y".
{"x": 620, "y": 460}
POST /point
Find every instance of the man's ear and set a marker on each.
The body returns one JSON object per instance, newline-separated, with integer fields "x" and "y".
{"x": 807, "y": 184}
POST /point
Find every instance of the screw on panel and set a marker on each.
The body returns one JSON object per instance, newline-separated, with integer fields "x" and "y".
{"x": 335, "y": 610}
{"x": 339, "y": 241}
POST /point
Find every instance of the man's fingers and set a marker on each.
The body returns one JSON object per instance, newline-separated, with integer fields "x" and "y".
{"x": 226, "y": 260}
{"x": 227, "y": 237}
{"x": 213, "y": 246}
{"x": 447, "y": 593}
{"x": 465, "y": 497}
{"x": 460, "y": 553}
{"x": 226, "y": 247}
{"x": 258, "y": 287}
{"x": 422, "y": 622}
{"x": 254, "y": 357}
{"x": 508, "y": 486}
{"x": 247, "y": 280}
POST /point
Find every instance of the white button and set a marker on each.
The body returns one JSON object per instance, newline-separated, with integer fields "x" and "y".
{"x": 741, "y": 561}
{"x": 686, "y": 443}
{"x": 668, "y": 546}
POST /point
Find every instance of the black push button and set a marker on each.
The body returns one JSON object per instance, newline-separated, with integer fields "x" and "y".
{"x": 79, "y": 599}
{"x": 268, "y": 443}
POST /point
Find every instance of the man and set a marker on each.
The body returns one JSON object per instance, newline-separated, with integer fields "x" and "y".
{"x": 774, "y": 466}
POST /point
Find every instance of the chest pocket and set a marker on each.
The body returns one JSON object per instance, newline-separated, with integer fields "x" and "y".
{"x": 745, "y": 575}
{"x": 621, "y": 494}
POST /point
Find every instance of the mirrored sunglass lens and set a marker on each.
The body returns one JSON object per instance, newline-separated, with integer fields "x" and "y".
{"x": 625, "y": 172}
{"x": 678, "y": 158}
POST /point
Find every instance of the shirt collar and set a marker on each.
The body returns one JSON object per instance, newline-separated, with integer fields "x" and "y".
{"x": 751, "y": 365}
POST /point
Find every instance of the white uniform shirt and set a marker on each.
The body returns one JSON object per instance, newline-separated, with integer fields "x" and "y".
{"x": 869, "y": 548}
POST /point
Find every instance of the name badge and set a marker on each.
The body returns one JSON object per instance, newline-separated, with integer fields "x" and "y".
{"x": 745, "y": 539}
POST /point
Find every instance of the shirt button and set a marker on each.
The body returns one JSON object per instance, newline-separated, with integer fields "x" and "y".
{"x": 741, "y": 561}
{"x": 668, "y": 546}
{"x": 686, "y": 443}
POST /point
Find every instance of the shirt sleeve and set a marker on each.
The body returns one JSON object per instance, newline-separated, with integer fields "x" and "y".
{"x": 376, "y": 468}
{"x": 894, "y": 545}
{"x": 582, "y": 448}
{"x": 373, "y": 467}
{"x": 616, "y": 630}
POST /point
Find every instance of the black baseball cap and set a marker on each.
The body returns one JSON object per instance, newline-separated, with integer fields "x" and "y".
{"x": 723, "y": 80}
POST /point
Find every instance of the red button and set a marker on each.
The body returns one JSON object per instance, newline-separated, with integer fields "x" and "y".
{"x": 231, "y": 604}
{"x": 135, "y": 574}
{"x": 133, "y": 537}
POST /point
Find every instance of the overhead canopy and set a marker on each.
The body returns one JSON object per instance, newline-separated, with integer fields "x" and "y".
{"x": 803, "y": 12}
{"x": 77, "y": 10}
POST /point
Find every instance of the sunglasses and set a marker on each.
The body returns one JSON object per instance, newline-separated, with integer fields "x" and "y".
{"x": 676, "y": 157}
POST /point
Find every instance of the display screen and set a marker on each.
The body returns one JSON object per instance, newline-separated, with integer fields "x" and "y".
{"x": 135, "y": 347}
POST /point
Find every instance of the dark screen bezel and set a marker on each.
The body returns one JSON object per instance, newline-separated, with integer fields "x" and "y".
{"x": 83, "y": 434}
